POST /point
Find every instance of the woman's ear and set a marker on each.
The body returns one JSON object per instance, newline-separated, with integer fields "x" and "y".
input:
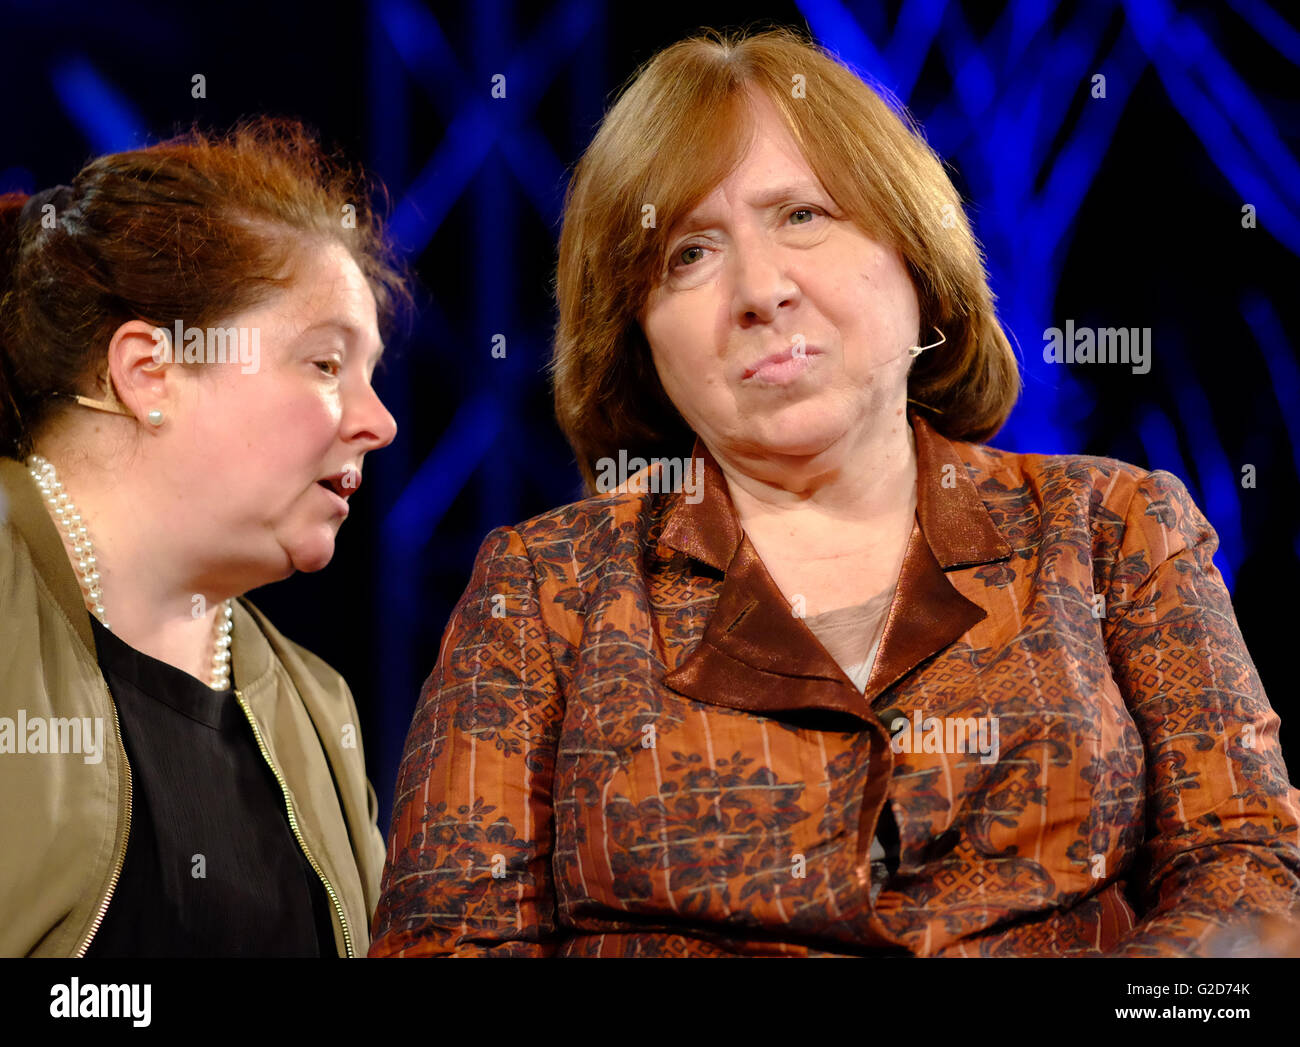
{"x": 141, "y": 368}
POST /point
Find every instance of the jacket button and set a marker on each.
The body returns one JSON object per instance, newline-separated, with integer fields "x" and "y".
{"x": 888, "y": 716}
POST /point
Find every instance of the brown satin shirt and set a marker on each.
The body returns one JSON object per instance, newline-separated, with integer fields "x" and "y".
{"x": 630, "y": 746}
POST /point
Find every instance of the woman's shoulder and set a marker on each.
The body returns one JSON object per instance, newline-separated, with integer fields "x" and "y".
{"x": 1100, "y": 481}
{"x": 598, "y": 519}
{"x": 563, "y": 550}
{"x": 1055, "y": 497}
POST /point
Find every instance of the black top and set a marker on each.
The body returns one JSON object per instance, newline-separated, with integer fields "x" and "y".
{"x": 212, "y": 866}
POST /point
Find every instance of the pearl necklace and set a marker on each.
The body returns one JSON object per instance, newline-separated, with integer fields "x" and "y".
{"x": 66, "y": 516}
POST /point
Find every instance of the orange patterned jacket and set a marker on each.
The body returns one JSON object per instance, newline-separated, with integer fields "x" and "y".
{"x": 631, "y": 746}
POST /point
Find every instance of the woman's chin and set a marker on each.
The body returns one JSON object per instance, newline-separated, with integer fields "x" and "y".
{"x": 799, "y": 435}
{"x": 313, "y": 553}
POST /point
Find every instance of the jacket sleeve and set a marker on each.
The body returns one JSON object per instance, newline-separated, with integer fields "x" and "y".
{"x": 469, "y": 855}
{"x": 1220, "y": 851}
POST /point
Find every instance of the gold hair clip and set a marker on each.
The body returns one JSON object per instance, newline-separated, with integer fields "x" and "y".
{"x": 110, "y": 406}
{"x": 926, "y": 407}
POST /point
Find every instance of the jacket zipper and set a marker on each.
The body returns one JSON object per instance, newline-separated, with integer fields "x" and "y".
{"x": 126, "y": 833}
{"x": 293, "y": 824}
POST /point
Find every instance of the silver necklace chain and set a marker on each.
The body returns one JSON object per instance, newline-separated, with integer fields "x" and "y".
{"x": 67, "y": 517}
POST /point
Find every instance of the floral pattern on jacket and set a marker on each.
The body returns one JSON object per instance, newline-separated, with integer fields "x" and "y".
{"x": 629, "y": 745}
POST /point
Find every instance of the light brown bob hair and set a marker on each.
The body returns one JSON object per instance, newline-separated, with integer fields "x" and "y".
{"x": 678, "y": 129}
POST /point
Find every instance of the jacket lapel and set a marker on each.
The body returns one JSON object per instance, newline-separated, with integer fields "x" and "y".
{"x": 756, "y": 656}
{"x": 26, "y": 511}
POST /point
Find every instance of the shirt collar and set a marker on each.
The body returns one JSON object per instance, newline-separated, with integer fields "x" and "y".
{"x": 755, "y": 655}
{"x": 952, "y": 516}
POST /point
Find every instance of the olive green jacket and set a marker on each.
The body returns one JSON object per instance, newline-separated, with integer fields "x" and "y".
{"x": 65, "y": 816}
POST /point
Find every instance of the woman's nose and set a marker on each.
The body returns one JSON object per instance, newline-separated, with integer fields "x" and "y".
{"x": 759, "y": 281}
{"x": 371, "y": 420}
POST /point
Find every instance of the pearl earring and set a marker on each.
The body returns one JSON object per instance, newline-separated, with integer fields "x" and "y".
{"x": 917, "y": 350}
{"x": 155, "y": 417}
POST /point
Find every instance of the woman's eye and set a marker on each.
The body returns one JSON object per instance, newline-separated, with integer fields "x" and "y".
{"x": 682, "y": 258}
{"x": 681, "y": 255}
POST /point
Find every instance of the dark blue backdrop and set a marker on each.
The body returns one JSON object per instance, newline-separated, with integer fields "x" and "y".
{"x": 1117, "y": 211}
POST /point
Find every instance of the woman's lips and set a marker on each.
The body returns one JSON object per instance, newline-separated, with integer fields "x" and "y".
{"x": 780, "y": 368}
{"x": 340, "y": 503}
